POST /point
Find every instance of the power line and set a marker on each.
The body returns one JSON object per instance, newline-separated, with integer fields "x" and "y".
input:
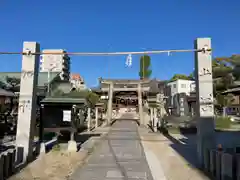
{"x": 105, "y": 53}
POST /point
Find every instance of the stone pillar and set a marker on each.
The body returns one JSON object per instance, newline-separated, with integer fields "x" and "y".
{"x": 96, "y": 117}
{"x": 27, "y": 102}
{"x": 73, "y": 122}
{"x": 89, "y": 119}
{"x": 140, "y": 104}
{"x": 72, "y": 144}
{"x": 41, "y": 131}
{"x": 162, "y": 102}
{"x": 204, "y": 94}
{"x": 110, "y": 99}
{"x": 151, "y": 116}
{"x": 155, "y": 119}
{"x": 224, "y": 111}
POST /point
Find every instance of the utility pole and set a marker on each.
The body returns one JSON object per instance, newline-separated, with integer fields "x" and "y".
{"x": 49, "y": 71}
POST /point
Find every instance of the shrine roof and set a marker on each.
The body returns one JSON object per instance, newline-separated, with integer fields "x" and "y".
{"x": 235, "y": 90}
{"x": 124, "y": 81}
{"x": 68, "y": 100}
{"x": 153, "y": 84}
{"x": 6, "y": 93}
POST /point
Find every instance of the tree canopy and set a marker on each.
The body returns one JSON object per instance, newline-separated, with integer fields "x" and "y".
{"x": 180, "y": 76}
{"x": 226, "y": 71}
{"x": 228, "y": 65}
{"x": 145, "y": 64}
{"x": 14, "y": 83}
{"x": 192, "y": 76}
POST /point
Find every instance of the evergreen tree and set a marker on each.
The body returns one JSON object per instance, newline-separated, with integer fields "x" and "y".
{"x": 145, "y": 64}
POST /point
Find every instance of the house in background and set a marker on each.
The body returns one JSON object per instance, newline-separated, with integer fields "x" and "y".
{"x": 181, "y": 99}
{"x": 77, "y": 82}
{"x": 181, "y": 86}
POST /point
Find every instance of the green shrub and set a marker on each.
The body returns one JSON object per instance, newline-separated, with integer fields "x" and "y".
{"x": 222, "y": 122}
{"x": 56, "y": 147}
{"x": 173, "y": 130}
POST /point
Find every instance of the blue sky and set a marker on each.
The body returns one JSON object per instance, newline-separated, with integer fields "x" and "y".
{"x": 126, "y": 25}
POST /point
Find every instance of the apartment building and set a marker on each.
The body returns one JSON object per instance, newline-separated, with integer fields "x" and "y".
{"x": 56, "y": 63}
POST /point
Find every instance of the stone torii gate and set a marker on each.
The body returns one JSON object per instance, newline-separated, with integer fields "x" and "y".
{"x": 136, "y": 85}
{"x": 27, "y": 99}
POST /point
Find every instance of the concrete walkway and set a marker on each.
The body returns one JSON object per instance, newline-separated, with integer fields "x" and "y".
{"x": 130, "y": 152}
{"x": 176, "y": 159}
{"x": 120, "y": 156}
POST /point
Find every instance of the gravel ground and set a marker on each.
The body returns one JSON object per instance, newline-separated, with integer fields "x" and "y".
{"x": 55, "y": 165}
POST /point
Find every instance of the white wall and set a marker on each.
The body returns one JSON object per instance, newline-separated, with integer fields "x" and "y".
{"x": 78, "y": 84}
{"x": 185, "y": 86}
{"x": 181, "y": 86}
{"x": 54, "y": 63}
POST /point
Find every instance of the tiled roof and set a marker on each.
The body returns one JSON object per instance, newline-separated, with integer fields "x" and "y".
{"x": 67, "y": 100}
{"x": 42, "y": 76}
{"x": 4, "y": 92}
{"x": 75, "y": 76}
{"x": 233, "y": 90}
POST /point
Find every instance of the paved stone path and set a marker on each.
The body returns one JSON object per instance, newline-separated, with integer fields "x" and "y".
{"x": 120, "y": 156}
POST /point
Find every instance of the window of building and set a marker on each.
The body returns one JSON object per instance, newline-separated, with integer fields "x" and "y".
{"x": 183, "y": 85}
{"x": 174, "y": 86}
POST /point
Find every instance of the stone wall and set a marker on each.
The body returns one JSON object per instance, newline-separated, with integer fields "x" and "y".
{"x": 7, "y": 163}
{"x": 223, "y": 164}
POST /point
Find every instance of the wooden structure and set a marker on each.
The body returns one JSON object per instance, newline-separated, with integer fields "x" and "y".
{"x": 60, "y": 114}
{"x": 234, "y": 108}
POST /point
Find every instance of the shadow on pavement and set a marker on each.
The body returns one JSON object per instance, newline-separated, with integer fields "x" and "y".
{"x": 79, "y": 138}
{"x": 185, "y": 144}
{"x": 186, "y": 147}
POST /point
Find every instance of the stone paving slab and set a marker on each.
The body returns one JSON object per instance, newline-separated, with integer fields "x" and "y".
{"x": 119, "y": 157}
{"x": 165, "y": 153}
